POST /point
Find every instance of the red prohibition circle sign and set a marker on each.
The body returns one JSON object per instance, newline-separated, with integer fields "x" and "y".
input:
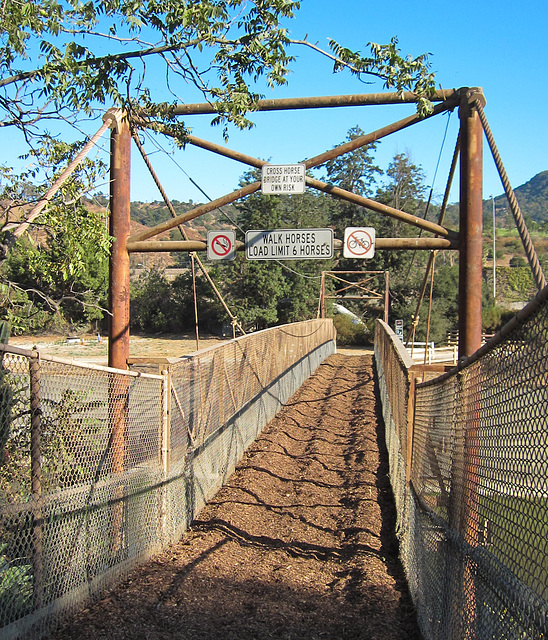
{"x": 359, "y": 242}
{"x": 221, "y": 245}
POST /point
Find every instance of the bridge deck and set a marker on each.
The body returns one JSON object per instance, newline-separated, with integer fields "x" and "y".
{"x": 300, "y": 544}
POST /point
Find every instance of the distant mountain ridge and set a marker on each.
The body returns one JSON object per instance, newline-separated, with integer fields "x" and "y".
{"x": 532, "y": 198}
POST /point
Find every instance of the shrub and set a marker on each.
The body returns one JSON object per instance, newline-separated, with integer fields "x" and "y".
{"x": 349, "y": 332}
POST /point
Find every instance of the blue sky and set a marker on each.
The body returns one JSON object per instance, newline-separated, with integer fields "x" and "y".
{"x": 496, "y": 44}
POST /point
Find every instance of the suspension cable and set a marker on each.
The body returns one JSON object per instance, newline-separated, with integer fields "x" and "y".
{"x": 536, "y": 268}
{"x": 20, "y": 228}
{"x": 411, "y": 335}
{"x": 430, "y": 195}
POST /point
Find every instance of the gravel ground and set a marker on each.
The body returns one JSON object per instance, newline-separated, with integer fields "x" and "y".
{"x": 299, "y": 544}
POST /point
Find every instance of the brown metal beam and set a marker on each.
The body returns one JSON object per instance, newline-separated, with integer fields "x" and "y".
{"x": 118, "y": 344}
{"x": 317, "y": 184}
{"x": 319, "y": 102}
{"x": 383, "y": 209}
{"x": 320, "y": 159}
{"x": 411, "y": 244}
{"x": 416, "y": 244}
{"x": 369, "y": 138}
{"x": 166, "y": 246}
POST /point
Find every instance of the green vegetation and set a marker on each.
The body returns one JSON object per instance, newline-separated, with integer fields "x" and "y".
{"x": 518, "y": 533}
{"x": 222, "y": 49}
{"x": 57, "y": 274}
{"x": 58, "y": 279}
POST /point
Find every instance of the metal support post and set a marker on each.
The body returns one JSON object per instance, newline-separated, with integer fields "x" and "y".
{"x": 120, "y": 153}
{"x": 471, "y": 223}
{"x": 36, "y": 478}
{"x": 118, "y": 346}
{"x": 470, "y": 326}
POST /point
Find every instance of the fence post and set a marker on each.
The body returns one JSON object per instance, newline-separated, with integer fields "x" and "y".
{"x": 36, "y": 477}
{"x": 413, "y": 381}
{"x": 165, "y": 444}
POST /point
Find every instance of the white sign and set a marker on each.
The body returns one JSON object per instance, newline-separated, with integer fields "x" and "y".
{"x": 289, "y": 244}
{"x": 399, "y": 329}
{"x": 359, "y": 242}
{"x": 221, "y": 245}
{"x": 283, "y": 178}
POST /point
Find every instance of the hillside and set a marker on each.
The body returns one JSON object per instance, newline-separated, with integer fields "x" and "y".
{"x": 153, "y": 213}
{"x": 532, "y": 198}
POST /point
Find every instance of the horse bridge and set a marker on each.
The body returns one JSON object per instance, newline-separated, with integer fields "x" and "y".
{"x": 104, "y": 467}
{"x": 467, "y": 464}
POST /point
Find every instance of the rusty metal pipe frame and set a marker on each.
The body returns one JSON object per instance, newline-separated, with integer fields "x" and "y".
{"x": 411, "y": 244}
{"x": 450, "y": 101}
{"x": 383, "y": 132}
{"x": 319, "y": 102}
{"x": 383, "y": 209}
{"x": 432, "y": 227}
{"x": 118, "y": 345}
{"x": 470, "y": 230}
{"x": 320, "y": 159}
{"x": 464, "y": 510}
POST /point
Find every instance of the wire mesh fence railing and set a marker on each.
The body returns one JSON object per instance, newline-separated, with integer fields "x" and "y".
{"x": 469, "y": 467}
{"x": 101, "y": 468}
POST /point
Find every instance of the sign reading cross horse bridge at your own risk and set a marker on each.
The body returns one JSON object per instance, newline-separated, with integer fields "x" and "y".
{"x": 283, "y": 178}
{"x": 289, "y": 244}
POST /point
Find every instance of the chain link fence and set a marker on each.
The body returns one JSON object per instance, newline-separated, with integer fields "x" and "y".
{"x": 100, "y": 468}
{"x": 469, "y": 467}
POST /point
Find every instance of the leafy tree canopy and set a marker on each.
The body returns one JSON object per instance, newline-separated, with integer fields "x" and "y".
{"x": 63, "y": 57}
{"x": 61, "y": 266}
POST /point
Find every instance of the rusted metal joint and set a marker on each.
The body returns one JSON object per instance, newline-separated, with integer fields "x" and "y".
{"x": 113, "y": 117}
{"x": 472, "y": 95}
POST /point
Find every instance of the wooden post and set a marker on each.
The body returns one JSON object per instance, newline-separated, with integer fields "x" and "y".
{"x": 36, "y": 478}
{"x": 386, "y": 296}
{"x": 413, "y": 381}
{"x": 165, "y": 447}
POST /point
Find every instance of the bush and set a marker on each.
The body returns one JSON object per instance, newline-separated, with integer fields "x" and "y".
{"x": 517, "y": 261}
{"x": 349, "y": 332}
{"x": 151, "y": 303}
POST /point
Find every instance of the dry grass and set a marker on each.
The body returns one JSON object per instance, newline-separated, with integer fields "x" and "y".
{"x": 91, "y": 349}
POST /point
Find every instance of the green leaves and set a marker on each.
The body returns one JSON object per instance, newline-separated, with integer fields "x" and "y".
{"x": 97, "y": 53}
{"x": 387, "y": 63}
{"x": 63, "y": 265}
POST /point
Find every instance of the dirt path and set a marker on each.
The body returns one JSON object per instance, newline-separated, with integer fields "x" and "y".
{"x": 299, "y": 544}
